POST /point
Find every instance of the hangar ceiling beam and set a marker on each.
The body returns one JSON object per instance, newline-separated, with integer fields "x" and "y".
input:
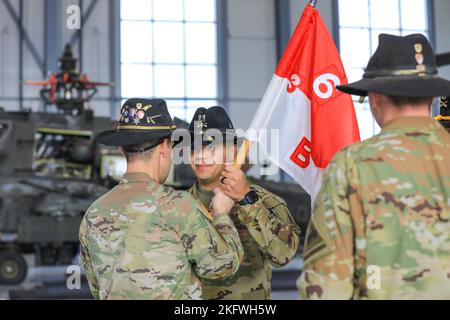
{"x": 26, "y": 38}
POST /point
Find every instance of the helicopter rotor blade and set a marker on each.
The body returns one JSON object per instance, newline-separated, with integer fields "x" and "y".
{"x": 38, "y": 83}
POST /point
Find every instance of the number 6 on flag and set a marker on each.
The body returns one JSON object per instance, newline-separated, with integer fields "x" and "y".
{"x": 313, "y": 118}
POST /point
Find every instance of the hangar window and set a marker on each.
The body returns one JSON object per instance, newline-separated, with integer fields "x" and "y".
{"x": 169, "y": 50}
{"x": 3, "y": 128}
{"x": 360, "y": 24}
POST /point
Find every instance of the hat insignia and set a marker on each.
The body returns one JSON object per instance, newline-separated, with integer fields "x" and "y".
{"x": 201, "y": 123}
{"x": 418, "y": 47}
{"x": 419, "y": 58}
{"x": 139, "y": 106}
{"x": 419, "y": 55}
{"x": 444, "y": 103}
{"x": 150, "y": 119}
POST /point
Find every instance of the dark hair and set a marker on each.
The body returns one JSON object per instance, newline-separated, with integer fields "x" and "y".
{"x": 402, "y": 101}
{"x": 141, "y": 151}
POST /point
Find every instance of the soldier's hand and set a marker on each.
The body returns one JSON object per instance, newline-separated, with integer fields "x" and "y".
{"x": 234, "y": 183}
{"x": 221, "y": 203}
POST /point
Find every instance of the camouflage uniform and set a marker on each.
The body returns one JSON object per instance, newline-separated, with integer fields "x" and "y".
{"x": 143, "y": 240}
{"x": 268, "y": 234}
{"x": 384, "y": 208}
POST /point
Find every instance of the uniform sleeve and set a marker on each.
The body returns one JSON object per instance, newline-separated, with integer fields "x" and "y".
{"x": 271, "y": 225}
{"x": 329, "y": 263}
{"x": 86, "y": 263}
{"x": 213, "y": 246}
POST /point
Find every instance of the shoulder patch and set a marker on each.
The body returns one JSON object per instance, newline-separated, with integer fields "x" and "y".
{"x": 318, "y": 242}
{"x": 269, "y": 199}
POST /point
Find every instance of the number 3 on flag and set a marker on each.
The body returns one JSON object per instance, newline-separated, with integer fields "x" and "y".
{"x": 302, "y": 154}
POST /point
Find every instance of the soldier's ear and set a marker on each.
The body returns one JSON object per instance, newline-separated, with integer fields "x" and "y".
{"x": 161, "y": 148}
{"x": 166, "y": 145}
{"x": 375, "y": 99}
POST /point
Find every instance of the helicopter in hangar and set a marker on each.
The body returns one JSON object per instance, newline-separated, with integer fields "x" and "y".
{"x": 51, "y": 170}
{"x": 68, "y": 90}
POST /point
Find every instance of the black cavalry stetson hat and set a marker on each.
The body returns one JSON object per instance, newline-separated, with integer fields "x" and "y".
{"x": 141, "y": 121}
{"x": 402, "y": 67}
{"x": 212, "y": 118}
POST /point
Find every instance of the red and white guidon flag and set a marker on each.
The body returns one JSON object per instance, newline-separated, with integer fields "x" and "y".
{"x": 313, "y": 118}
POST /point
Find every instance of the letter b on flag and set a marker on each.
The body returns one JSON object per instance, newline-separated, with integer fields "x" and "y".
{"x": 302, "y": 154}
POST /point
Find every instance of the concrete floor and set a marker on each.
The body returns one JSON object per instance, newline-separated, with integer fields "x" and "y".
{"x": 50, "y": 283}
{"x": 285, "y": 295}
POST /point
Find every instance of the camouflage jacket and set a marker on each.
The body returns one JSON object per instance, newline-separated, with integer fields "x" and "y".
{"x": 269, "y": 235}
{"x": 380, "y": 227}
{"x": 143, "y": 240}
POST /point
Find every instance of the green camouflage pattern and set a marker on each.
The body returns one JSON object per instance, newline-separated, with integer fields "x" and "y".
{"x": 143, "y": 240}
{"x": 380, "y": 227}
{"x": 269, "y": 236}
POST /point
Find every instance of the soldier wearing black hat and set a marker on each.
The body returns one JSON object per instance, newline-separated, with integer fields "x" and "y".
{"x": 143, "y": 240}
{"x": 266, "y": 228}
{"x": 380, "y": 225}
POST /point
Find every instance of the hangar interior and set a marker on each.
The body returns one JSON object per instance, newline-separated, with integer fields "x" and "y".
{"x": 211, "y": 52}
{"x": 193, "y": 53}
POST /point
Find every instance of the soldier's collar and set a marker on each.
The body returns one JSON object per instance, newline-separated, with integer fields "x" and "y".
{"x": 136, "y": 177}
{"x": 197, "y": 190}
{"x": 204, "y": 192}
{"x": 410, "y": 122}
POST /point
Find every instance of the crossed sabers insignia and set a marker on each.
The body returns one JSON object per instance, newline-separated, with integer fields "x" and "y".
{"x": 201, "y": 122}
{"x": 139, "y": 106}
{"x": 444, "y": 102}
{"x": 150, "y": 119}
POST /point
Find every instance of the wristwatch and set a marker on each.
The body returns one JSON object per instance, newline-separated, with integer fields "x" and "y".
{"x": 250, "y": 198}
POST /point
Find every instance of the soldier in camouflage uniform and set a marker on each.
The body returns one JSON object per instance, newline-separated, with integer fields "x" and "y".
{"x": 143, "y": 240}
{"x": 266, "y": 228}
{"x": 380, "y": 227}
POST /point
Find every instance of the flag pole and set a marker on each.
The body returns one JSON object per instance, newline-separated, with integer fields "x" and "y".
{"x": 246, "y": 144}
{"x": 245, "y": 147}
{"x": 242, "y": 153}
